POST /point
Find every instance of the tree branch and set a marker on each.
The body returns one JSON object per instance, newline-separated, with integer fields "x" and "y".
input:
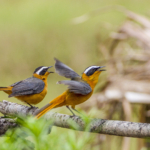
{"x": 111, "y": 127}
{"x": 5, "y": 124}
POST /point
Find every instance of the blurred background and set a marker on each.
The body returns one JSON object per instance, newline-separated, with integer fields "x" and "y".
{"x": 112, "y": 33}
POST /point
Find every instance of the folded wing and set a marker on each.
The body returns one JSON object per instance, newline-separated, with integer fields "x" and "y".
{"x": 77, "y": 87}
{"x": 26, "y": 87}
{"x": 64, "y": 70}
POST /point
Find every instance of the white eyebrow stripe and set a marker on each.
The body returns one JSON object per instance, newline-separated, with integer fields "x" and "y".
{"x": 90, "y": 68}
{"x": 38, "y": 72}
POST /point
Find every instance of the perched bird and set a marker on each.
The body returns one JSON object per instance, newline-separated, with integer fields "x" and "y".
{"x": 79, "y": 88}
{"x": 31, "y": 90}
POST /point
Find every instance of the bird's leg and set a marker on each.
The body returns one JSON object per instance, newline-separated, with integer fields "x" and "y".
{"x": 76, "y": 111}
{"x": 71, "y": 110}
{"x": 30, "y": 105}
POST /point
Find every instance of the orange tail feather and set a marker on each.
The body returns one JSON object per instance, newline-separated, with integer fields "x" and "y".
{"x": 5, "y": 88}
{"x": 57, "y": 102}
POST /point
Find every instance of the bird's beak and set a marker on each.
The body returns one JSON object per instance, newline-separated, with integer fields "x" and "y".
{"x": 49, "y": 67}
{"x": 50, "y": 71}
{"x": 101, "y": 69}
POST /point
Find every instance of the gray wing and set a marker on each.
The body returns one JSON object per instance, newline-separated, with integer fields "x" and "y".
{"x": 77, "y": 87}
{"x": 15, "y": 83}
{"x": 26, "y": 87}
{"x": 64, "y": 70}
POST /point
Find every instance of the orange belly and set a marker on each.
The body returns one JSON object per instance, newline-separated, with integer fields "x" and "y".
{"x": 75, "y": 99}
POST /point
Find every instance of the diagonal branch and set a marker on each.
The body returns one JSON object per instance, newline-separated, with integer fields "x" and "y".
{"x": 111, "y": 127}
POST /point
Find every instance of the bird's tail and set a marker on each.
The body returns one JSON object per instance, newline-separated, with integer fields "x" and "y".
{"x": 5, "y": 88}
{"x": 57, "y": 102}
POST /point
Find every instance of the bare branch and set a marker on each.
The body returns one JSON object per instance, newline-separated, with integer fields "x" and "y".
{"x": 111, "y": 127}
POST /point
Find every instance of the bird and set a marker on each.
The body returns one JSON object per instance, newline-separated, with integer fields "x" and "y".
{"x": 31, "y": 90}
{"x": 79, "y": 89}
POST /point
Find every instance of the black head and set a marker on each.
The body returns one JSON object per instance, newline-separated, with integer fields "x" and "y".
{"x": 90, "y": 70}
{"x": 41, "y": 70}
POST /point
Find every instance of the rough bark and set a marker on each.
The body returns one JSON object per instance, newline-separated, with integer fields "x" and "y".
{"x": 111, "y": 127}
{"x": 6, "y": 124}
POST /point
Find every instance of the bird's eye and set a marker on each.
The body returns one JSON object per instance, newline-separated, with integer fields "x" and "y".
{"x": 43, "y": 78}
{"x": 91, "y": 71}
{"x": 43, "y": 72}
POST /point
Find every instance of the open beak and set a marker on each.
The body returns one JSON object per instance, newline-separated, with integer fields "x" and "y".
{"x": 50, "y": 71}
{"x": 101, "y": 69}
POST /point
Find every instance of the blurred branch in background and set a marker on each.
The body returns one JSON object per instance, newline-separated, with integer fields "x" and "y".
{"x": 126, "y": 53}
{"x": 120, "y": 128}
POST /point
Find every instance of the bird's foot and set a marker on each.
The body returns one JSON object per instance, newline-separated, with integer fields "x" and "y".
{"x": 32, "y": 107}
{"x": 74, "y": 116}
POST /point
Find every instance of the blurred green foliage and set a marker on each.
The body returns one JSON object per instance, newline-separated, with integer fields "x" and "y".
{"x": 40, "y": 134}
{"x": 33, "y": 134}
